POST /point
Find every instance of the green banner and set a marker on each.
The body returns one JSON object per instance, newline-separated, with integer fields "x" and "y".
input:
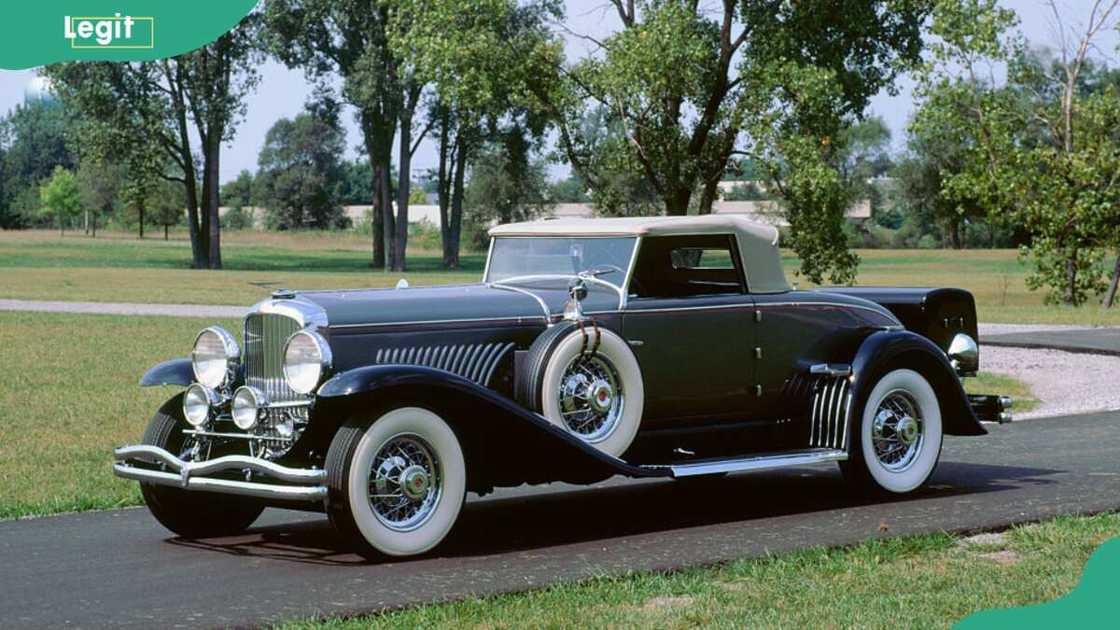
{"x": 122, "y": 30}
{"x": 1091, "y": 605}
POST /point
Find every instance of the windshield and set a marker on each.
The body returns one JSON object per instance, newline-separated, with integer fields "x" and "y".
{"x": 608, "y": 257}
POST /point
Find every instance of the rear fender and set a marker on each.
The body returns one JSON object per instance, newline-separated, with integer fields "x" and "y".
{"x": 894, "y": 349}
{"x": 173, "y": 372}
{"x": 505, "y": 444}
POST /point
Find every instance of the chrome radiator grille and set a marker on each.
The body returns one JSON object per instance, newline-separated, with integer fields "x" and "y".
{"x": 265, "y": 335}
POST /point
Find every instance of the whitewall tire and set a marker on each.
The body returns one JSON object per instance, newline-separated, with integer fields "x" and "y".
{"x": 897, "y": 441}
{"x": 397, "y": 484}
{"x": 592, "y": 390}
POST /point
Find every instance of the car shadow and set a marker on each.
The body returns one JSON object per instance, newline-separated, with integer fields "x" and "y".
{"x": 490, "y": 526}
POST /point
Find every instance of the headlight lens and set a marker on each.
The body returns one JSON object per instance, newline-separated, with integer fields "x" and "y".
{"x": 306, "y": 358}
{"x": 197, "y": 402}
{"x": 214, "y": 351}
{"x": 246, "y": 403}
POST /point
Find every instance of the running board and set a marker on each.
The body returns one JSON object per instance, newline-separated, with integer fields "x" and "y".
{"x": 766, "y": 461}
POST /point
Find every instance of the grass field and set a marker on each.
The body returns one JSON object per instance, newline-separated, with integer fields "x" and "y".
{"x": 118, "y": 268}
{"x": 72, "y": 395}
{"x": 919, "y": 582}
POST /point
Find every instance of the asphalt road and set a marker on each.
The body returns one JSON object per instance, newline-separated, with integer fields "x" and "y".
{"x": 120, "y": 568}
{"x": 1092, "y": 341}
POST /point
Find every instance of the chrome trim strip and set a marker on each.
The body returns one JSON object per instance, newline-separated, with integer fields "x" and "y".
{"x": 157, "y": 455}
{"x": 630, "y": 273}
{"x": 489, "y": 255}
{"x": 746, "y": 305}
{"x": 236, "y": 436}
{"x": 540, "y": 301}
{"x": 224, "y": 486}
{"x": 760, "y": 462}
{"x": 519, "y": 320}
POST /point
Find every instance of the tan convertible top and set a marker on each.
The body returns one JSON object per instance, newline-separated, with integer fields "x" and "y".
{"x": 758, "y": 243}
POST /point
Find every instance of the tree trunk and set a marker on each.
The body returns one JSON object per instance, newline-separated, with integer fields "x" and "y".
{"x": 165, "y": 228}
{"x": 1071, "y": 282}
{"x": 451, "y": 249}
{"x": 388, "y": 229}
{"x": 708, "y": 195}
{"x": 199, "y": 236}
{"x": 93, "y": 225}
{"x": 140, "y": 210}
{"x": 85, "y": 222}
{"x": 1110, "y": 297}
{"x": 676, "y": 202}
{"x": 210, "y": 182}
{"x": 404, "y": 188}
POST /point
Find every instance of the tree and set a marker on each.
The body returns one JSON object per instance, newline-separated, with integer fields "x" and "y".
{"x": 572, "y": 189}
{"x": 300, "y": 179}
{"x": 349, "y": 38}
{"x": 506, "y": 186}
{"x": 100, "y": 184}
{"x": 238, "y": 193}
{"x": 479, "y": 57}
{"x": 59, "y": 196}
{"x": 1049, "y": 153}
{"x": 33, "y": 141}
{"x": 182, "y": 108}
{"x": 164, "y": 202}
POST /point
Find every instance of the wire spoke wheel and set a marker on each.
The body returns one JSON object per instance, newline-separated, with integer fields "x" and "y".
{"x": 404, "y": 482}
{"x": 897, "y": 431}
{"x": 591, "y": 397}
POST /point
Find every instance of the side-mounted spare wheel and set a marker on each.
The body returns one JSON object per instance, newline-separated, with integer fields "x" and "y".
{"x": 191, "y": 514}
{"x": 585, "y": 380}
{"x": 396, "y": 481}
{"x": 896, "y": 438}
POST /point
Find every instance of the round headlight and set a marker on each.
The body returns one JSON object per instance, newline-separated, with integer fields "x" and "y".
{"x": 247, "y": 401}
{"x": 197, "y": 402}
{"x": 307, "y": 357}
{"x": 214, "y": 352}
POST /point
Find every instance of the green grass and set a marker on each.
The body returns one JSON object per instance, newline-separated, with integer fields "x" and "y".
{"x": 115, "y": 267}
{"x": 1001, "y": 385}
{"x": 70, "y": 396}
{"x": 919, "y": 582}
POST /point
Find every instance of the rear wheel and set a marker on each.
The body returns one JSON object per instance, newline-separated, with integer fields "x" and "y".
{"x": 189, "y": 513}
{"x": 897, "y": 441}
{"x": 397, "y": 482}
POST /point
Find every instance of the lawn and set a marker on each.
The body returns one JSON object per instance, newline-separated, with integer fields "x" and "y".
{"x": 72, "y": 396}
{"x": 117, "y": 267}
{"x": 919, "y": 582}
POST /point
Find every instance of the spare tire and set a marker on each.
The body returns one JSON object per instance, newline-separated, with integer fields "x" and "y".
{"x": 586, "y": 381}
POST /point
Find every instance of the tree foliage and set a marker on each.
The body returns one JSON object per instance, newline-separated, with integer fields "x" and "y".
{"x": 300, "y": 180}
{"x": 60, "y": 198}
{"x": 33, "y": 141}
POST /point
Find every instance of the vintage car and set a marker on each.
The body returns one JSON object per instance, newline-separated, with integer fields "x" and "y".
{"x": 652, "y": 347}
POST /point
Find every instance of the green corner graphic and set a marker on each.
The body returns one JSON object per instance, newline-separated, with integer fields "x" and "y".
{"x": 1092, "y": 604}
{"x": 118, "y": 30}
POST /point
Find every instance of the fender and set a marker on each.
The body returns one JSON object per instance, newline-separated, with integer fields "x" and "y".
{"x": 511, "y": 445}
{"x": 173, "y": 372}
{"x": 889, "y": 349}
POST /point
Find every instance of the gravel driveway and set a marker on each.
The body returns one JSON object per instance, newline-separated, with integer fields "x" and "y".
{"x": 1065, "y": 382}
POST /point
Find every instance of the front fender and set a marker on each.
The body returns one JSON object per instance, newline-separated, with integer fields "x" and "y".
{"x": 886, "y": 350}
{"x": 505, "y": 443}
{"x": 173, "y": 372}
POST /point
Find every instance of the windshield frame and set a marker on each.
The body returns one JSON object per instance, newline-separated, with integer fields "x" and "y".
{"x": 621, "y": 289}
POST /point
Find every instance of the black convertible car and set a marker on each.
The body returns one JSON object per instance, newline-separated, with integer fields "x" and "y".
{"x": 656, "y": 347}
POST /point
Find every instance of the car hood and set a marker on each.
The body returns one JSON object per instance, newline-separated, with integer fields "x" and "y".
{"x": 434, "y": 304}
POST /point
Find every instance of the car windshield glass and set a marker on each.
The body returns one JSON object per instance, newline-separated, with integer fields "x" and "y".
{"x": 518, "y": 257}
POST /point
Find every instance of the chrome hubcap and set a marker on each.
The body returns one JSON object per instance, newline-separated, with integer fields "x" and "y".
{"x": 897, "y": 431}
{"x": 591, "y": 399}
{"x": 404, "y": 487}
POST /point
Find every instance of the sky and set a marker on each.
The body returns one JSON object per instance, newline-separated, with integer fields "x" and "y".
{"x": 283, "y": 92}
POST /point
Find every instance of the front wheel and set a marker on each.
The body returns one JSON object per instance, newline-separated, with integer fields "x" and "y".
{"x": 897, "y": 442}
{"x": 190, "y": 513}
{"x": 396, "y": 482}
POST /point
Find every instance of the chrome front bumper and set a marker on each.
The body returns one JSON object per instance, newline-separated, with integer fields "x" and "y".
{"x": 302, "y": 484}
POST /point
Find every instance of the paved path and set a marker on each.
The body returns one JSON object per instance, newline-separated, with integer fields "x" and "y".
{"x": 123, "y": 308}
{"x": 1089, "y": 340}
{"x": 120, "y": 567}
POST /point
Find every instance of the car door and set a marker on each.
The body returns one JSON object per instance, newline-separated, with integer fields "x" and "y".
{"x": 689, "y": 321}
